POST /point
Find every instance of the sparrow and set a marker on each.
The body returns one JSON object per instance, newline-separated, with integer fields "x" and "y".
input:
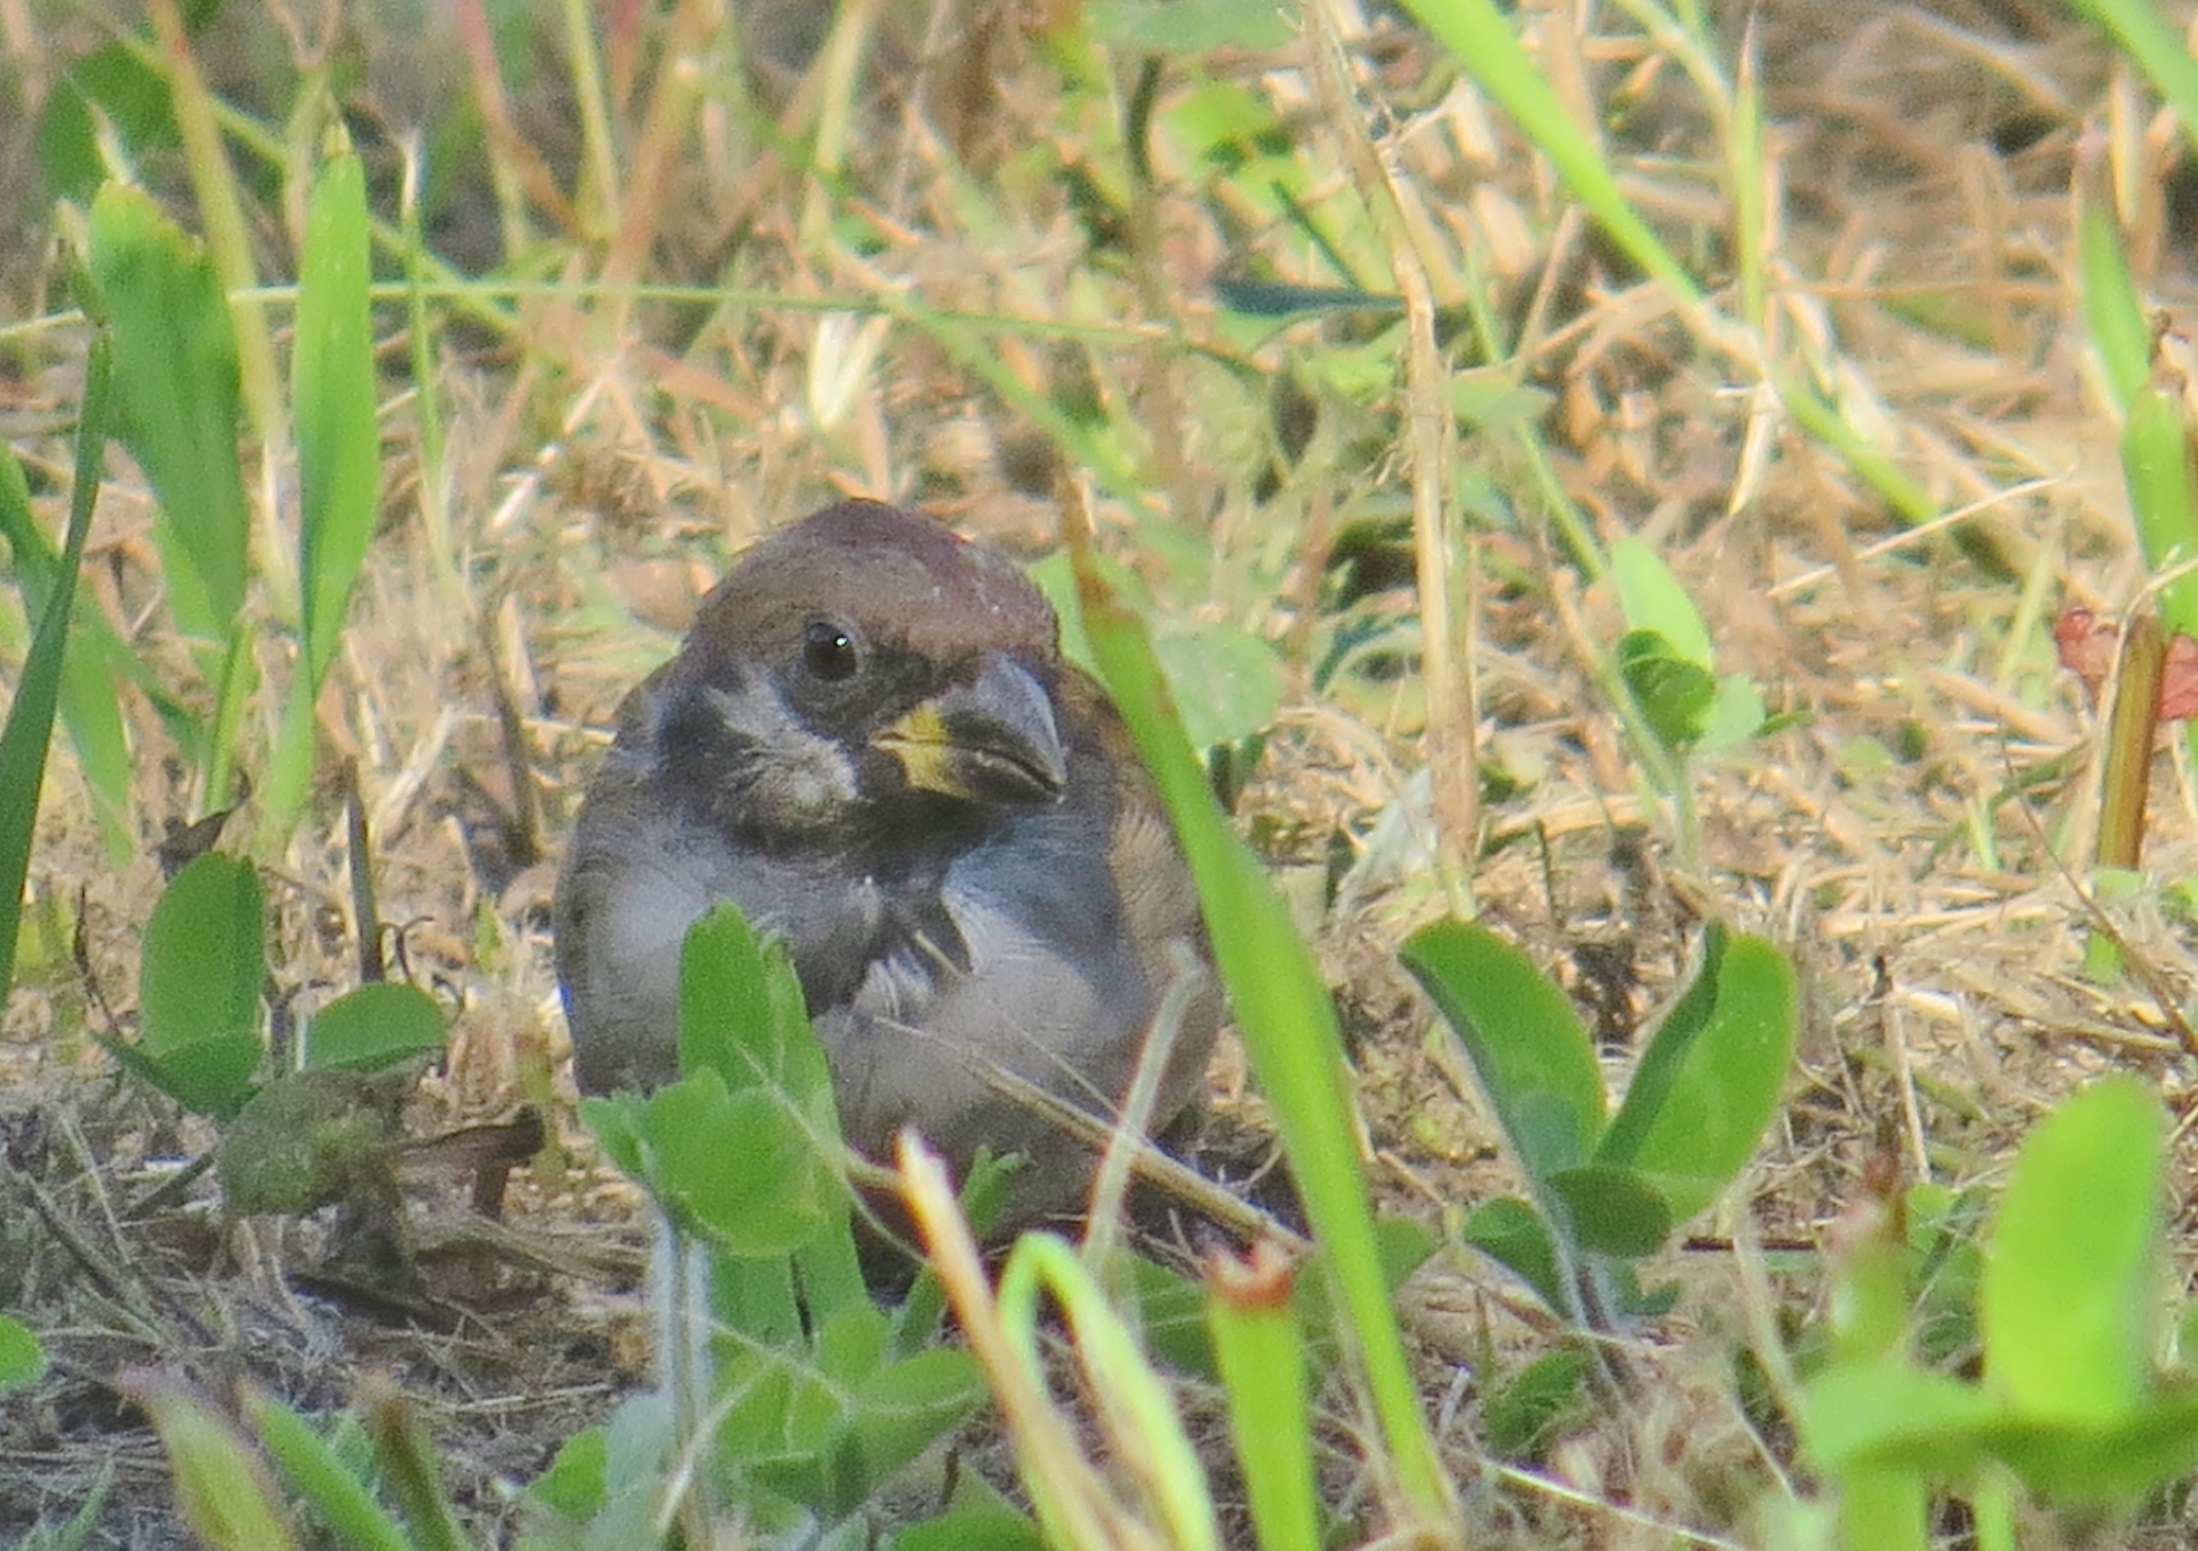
{"x": 870, "y": 742}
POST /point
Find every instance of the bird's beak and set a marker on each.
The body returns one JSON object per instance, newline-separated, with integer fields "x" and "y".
{"x": 991, "y": 740}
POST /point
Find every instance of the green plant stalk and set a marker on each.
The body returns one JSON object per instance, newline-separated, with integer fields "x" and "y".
{"x": 1880, "y": 1505}
{"x": 2132, "y": 729}
{"x": 1992, "y": 1508}
{"x": 1573, "y": 528}
{"x": 1750, "y": 192}
{"x": 1663, "y": 770}
{"x": 1260, "y": 1351}
{"x": 599, "y": 151}
{"x": 1289, "y": 1028}
{"x": 28, "y": 735}
{"x": 1692, "y": 45}
{"x": 1822, "y": 419}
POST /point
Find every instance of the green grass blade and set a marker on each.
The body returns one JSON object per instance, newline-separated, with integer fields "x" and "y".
{"x": 29, "y": 730}
{"x": 1289, "y": 1028}
{"x": 332, "y": 389}
{"x": 322, "y": 1479}
{"x": 332, "y": 392}
{"x": 2114, "y": 311}
{"x": 2142, "y": 31}
{"x": 175, "y": 359}
{"x": 221, "y": 1482}
{"x": 1479, "y": 37}
{"x": 1260, "y": 1350}
{"x": 2160, "y": 466}
{"x": 91, "y": 663}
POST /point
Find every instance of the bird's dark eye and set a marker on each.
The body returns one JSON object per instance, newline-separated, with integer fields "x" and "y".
{"x": 829, "y": 651}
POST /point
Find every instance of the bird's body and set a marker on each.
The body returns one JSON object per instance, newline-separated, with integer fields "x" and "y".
{"x": 870, "y": 744}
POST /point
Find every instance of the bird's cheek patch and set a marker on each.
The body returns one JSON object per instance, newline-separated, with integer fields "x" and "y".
{"x": 792, "y": 777}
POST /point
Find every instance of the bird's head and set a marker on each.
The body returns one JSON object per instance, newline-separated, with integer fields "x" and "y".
{"x": 863, "y": 671}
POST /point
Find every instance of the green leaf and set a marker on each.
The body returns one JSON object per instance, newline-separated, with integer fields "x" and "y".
{"x": 1228, "y": 681}
{"x": 1613, "y": 1211}
{"x": 903, "y": 1408}
{"x": 2072, "y": 1272}
{"x": 1652, "y": 599}
{"x": 610, "y": 1477}
{"x": 1528, "y": 1052}
{"x": 616, "y": 1122}
{"x": 22, "y": 1356}
{"x": 740, "y": 1167}
{"x": 1514, "y": 1235}
{"x": 1528, "y": 1411}
{"x": 1676, "y": 695}
{"x": 202, "y": 960}
{"x": 2120, "y": 1465}
{"x": 176, "y": 369}
{"x": 1737, "y": 716}
{"x": 742, "y": 1015}
{"x": 982, "y": 1527}
{"x": 114, "y": 83}
{"x": 199, "y": 977}
{"x": 1892, "y": 1412}
{"x": 1710, "y": 1078}
{"x": 573, "y": 1486}
{"x": 373, "y": 1026}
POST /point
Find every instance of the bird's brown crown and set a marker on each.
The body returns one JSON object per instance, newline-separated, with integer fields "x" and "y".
{"x": 901, "y": 577}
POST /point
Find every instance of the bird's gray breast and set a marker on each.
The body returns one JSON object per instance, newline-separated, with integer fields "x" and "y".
{"x": 1045, "y": 986}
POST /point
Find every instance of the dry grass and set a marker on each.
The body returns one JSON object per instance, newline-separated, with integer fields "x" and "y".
{"x": 1906, "y": 839}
